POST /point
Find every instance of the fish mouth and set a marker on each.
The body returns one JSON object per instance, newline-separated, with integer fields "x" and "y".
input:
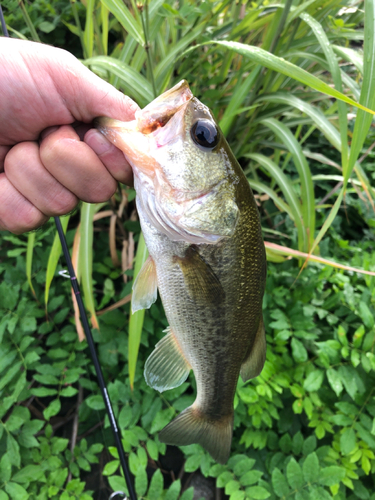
{"x": 163, "y": 108}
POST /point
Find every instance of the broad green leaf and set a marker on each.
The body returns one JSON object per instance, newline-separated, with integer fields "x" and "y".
{"x": 279, "y": 483}
{"x": 29, "y": 473}
{"x": 347, "y": 441}
{"x": 250, "y": 477}
{"x": 141, "y": 482}
{"x": 294, "y": 474}
{"x": 173, "y": 491}
{"x": 10, "y": 373}
{"x": 313, "y": 381}
{"x": 366, "y": 315}
{"x": 231, "y": 487}
{"x": 111, "y": 467}
{"x": 192, "y": 463}
{"x": 136, "y": 319}
{"x": 125, "y": 18}
{"x": 331, "y": 475}
{"x": 311, "y": 468}
{"x": 334, "y": 380}
{"x": 5, "y": 468}
{"x": 298, "y": 350}
{"x": 156, "y": 486}
{"x": 16, "y": 491}
{"x": 257, "y": 493}
{"x": 13, "y": 451}
{"x": 52, "y": 409}
{"x": 117, "y": 483}
{"x": 188, "y": 494}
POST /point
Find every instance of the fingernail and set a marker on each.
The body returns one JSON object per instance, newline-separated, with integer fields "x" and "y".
{"x": 97, "y": 142}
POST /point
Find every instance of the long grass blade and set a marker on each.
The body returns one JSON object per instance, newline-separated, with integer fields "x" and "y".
{"x": 133, "y": 83}
{"x": 29, "y": 260}
{"x": 239, "y": 94}
{"x": 367, "y": 98}
{"x": 53, "y": 259}
{"x": 88, "y": 35}
{"x": 86, "y": 259}
{"x": 164, "y": 69}
{"x": 105, "y": 27}
{"x": 363, "y": 120}
{"x": 279, "y": 202}
{"x": 125, "y": 18}
{"x": 336, "y": 75}
{"x": 307, "y": 187}
{"x": 319, "y": 119}
{"x": 288, "y": 191}
{"x": 136, "y": 319}
{"x": 286, "y": 68}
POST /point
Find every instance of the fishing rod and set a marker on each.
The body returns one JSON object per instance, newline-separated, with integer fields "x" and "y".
{"x": 74, "y": 282}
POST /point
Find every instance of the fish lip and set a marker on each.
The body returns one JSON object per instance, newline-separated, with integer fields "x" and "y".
{"x": 163, "y": 108}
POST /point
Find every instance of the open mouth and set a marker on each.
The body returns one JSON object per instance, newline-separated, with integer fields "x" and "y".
{"x": 163, "y": 108}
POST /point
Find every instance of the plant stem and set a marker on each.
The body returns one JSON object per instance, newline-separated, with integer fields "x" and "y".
{"x": 148, "y": 46}
{"x": 29, "y": 22}
{"x": 78, "y": 24}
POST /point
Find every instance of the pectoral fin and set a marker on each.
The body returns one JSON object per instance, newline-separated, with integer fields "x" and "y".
{"x": 253, "y": 364}
{"x": 201, "y": 282}
{"x": 166, "y": 367}
{"x": 145, "y": 287}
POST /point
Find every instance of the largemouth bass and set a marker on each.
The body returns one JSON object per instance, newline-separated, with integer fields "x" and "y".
{"x": 207, "y": 258}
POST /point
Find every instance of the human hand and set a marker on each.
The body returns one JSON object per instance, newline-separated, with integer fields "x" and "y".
{"x": 48, "y": 99}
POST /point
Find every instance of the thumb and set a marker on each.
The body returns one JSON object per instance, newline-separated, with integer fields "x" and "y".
{"x": 88, "y": 96}
{"x": 80, "y": 92}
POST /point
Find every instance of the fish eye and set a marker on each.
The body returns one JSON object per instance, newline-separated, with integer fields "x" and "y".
{"x": 205, "y": 134}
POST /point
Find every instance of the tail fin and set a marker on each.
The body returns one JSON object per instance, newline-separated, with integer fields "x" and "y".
{"x": 192, "y": 426}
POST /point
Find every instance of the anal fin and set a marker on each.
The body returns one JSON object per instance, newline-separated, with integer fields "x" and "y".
{"x": 166, "y": 367}
{"x": 254, "y": 362}
{"x": 145, "y": 287}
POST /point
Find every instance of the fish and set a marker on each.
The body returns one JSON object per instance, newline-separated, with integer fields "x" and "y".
{"x": 207, "y": 258}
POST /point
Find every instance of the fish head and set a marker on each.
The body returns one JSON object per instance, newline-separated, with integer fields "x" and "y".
{"x": 183, "y": 174}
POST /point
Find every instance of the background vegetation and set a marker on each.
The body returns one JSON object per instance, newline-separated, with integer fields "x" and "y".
{"x": 305, "y": 428}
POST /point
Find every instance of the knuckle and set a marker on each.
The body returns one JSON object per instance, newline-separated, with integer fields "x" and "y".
{"x": 63, "y": 203}
{"x": 101, "y": 191}
{"x": 27, "y": 219}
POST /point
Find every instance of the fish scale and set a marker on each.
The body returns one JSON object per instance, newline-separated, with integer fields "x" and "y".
{"x": 207, "y": 258}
